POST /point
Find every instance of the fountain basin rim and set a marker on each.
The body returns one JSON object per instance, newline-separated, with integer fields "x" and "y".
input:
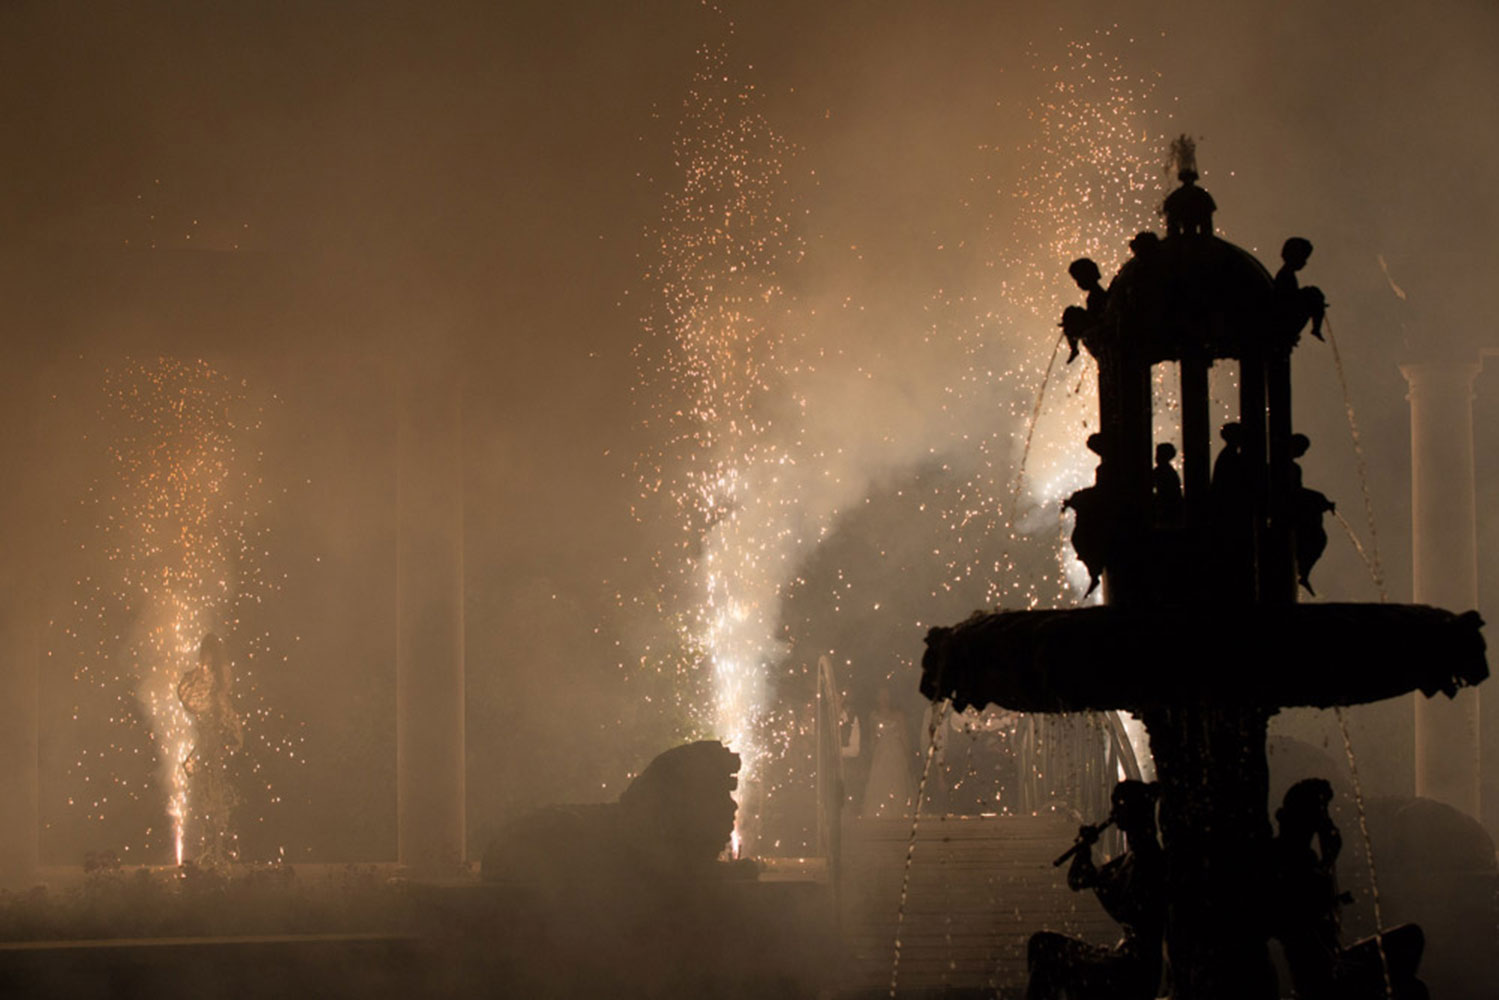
{"x": 1139, "y": 659}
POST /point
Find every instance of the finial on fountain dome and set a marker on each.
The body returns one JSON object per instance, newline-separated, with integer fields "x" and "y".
{"x": 1189, "y": 209}
{"x": 1184, "y": 157}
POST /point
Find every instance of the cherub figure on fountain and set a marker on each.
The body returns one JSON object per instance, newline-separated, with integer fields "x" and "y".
{"x": 1132, "y": 889}
{"x": 1308, "y": 535}
{"x": 206, "y": 693}
{"x": 1166, "y": 485}
{"x": 1304, "y": 912}
{"x": 1076, "y": 322}
{"x": 1094, "y": 533}
{"x": 1295, "y": 304}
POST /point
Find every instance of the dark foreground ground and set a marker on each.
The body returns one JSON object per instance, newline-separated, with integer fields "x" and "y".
{"x": 978, "y": 888}
{"x": 360, "y": 933}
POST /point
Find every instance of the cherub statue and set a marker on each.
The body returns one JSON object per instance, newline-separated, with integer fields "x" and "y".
{"x": 1132, "y": 889}
{"x": 1307, "y": 508}
{"x": 1294, "y": 304}
{"x": 1076, "y": 323}
{"x": 1304, "y": 904}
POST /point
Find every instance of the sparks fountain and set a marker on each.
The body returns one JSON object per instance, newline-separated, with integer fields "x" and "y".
{"x": 1200, "y": 633}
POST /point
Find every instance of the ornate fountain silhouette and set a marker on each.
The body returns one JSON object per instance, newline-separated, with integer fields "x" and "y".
{"x": 1200, "y": 633}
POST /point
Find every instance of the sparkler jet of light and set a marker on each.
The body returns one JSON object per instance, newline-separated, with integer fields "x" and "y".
{"x": 739, "y": 458}
{"x": 710, "y": 364}
{"x": 179, "y": 545}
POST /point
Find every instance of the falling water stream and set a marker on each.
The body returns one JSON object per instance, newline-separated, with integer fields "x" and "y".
{"x": 1376, "y": 573}
{"x": 1376, "y": 570}
{"x": 1030, "y": 429}
{"x": 939, "y": 716}
{"x": 1363, "y": 553}
{"x": 1363, "y": 829}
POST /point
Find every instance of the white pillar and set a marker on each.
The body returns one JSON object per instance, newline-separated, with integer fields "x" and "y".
{"x": 1444, "y": 557}
{"x": 429, "y": 620}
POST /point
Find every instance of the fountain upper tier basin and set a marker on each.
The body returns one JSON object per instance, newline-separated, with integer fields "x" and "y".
{"x": 1137, "y": 659}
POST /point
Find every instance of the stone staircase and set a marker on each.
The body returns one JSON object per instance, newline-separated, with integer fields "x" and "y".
{"x": 979, "y": 887}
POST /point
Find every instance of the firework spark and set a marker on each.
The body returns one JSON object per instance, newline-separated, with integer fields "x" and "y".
{"x": 1088, "y": 180}
{"x": 711, "y": 371}
{"x": 737, "y": 408}
{"x": 178, "y": 554}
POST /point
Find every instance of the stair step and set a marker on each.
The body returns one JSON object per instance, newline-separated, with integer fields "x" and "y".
{"x": 979, "y": 887}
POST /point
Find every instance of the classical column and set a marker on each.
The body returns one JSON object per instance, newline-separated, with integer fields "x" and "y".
{"x": 1444, "y": 556}
{"x": 429, "y": 619}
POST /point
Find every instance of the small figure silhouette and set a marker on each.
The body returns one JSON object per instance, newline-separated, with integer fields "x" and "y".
{"x": 1132, "y": 889}
{"x": 1309, "y": 537}
{"x": 1304, "y": 903}
{"x": 1094, "y": 530}
{"x": 1231, "y": 502}
{"x": 1076, "y": 323}
{"x": 1144, "y": 245}
{"x": 1166, "y": 485}
{"x": 1091, "y": 535}
{"x": 1295, "y": 304}
{"x": 1229, "y": 479}
{"x": 1090, "y": 280}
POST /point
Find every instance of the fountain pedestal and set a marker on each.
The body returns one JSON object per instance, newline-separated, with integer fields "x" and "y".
{"x": 1205, "y": 681}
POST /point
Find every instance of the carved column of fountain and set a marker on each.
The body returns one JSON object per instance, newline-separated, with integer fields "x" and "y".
{"x": 1201, "y": 635}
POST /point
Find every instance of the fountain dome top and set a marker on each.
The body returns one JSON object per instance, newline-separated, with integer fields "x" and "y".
{"x": 1187, "y": 296}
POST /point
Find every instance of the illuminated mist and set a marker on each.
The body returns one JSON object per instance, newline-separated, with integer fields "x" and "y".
{"x": 799, "y": 417}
